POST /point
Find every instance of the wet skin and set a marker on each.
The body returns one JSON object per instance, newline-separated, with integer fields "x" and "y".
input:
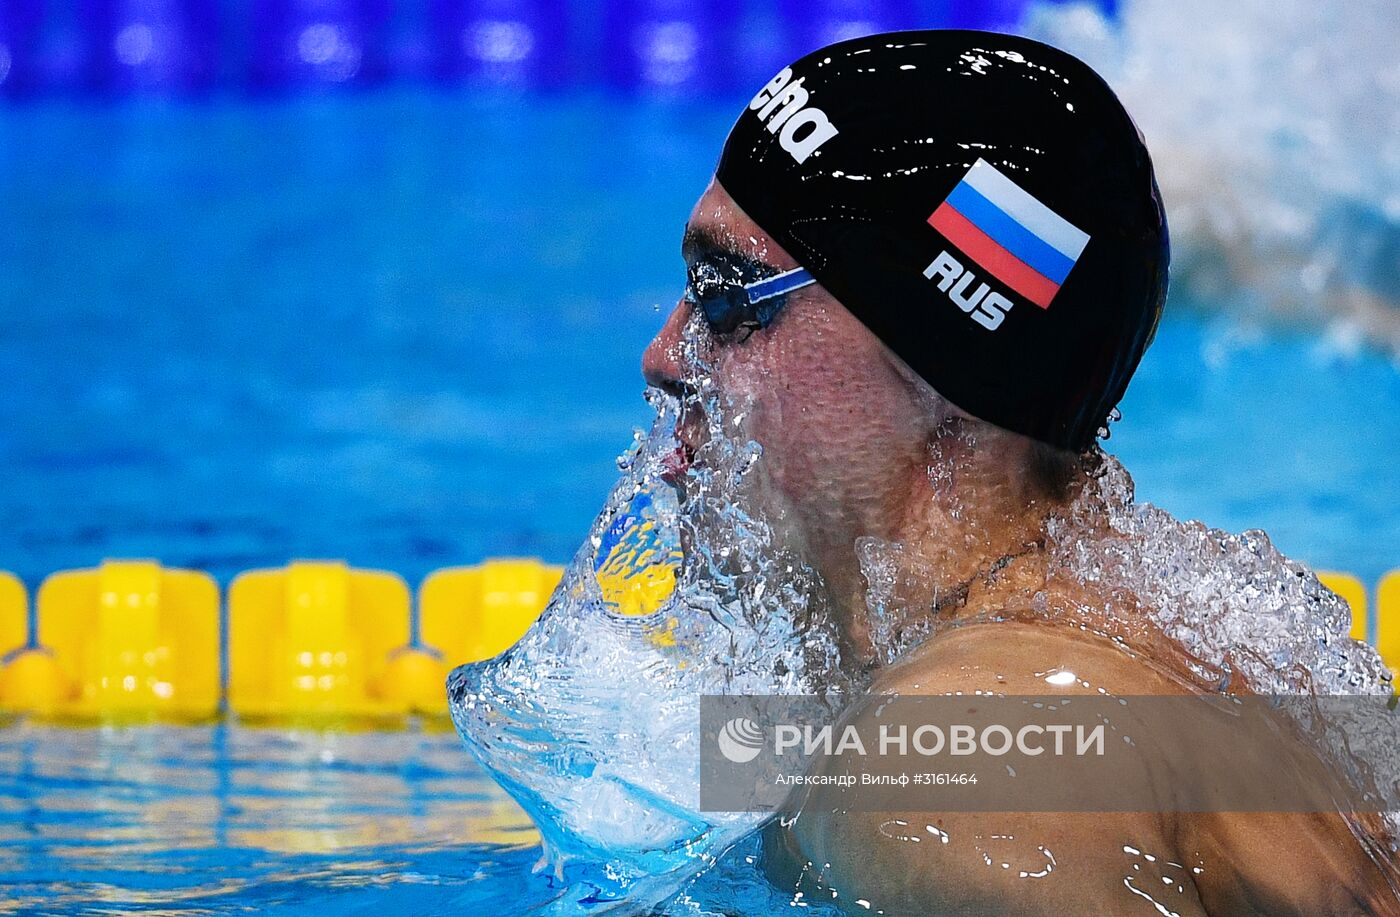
{"x": 860, "y": 447}
{"x": 1100, "y": 863}
{"x": 845, "y": 427}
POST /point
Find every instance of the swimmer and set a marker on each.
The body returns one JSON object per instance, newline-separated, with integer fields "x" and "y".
{"x": 945, "y": 254}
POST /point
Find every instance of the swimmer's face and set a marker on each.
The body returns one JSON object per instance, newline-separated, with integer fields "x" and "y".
{"x": 839, "y": 424}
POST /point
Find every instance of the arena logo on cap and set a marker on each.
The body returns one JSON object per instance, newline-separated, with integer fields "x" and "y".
{"x": 782, "y": 105}
{"x": 1008, "y": 233}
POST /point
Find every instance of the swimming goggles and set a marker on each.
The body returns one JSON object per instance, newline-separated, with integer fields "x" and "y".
{"x": 729, "y": 305}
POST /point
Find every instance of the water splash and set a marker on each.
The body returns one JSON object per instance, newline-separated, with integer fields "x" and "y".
{"x": 893, "y": 574}
{"x": 1248, "y": 618}
{"x": 1275, "y": 131}
{"x": 681, "y": 589}
{"x": 1236, "y": 606}
{"x": 1233, "y": 602}
{"x": 1238, "y": 616}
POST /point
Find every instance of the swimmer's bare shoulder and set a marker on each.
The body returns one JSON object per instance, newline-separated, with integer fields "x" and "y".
{"x": 1066, "y": 863}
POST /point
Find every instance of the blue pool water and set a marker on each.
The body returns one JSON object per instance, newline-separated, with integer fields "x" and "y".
{"x": 404, "y": 329}
{"x": 187, "y": 820}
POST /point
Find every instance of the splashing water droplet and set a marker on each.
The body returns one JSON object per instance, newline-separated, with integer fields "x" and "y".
{"x": 682, "y": 589}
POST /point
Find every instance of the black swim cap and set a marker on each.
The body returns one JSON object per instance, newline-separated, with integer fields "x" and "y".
{"x": 981, "y": 202}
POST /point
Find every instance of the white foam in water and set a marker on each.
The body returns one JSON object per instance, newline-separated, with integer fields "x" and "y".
{"x": 1239, "y": 608}
{"x": 592, "y": 720}
{"x": 1232, "y": 601}
{"x": 1248, "y": 618}
{"x": 1274, "y": 127}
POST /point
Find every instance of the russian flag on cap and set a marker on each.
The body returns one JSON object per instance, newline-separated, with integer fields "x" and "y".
{"x": 1011, "y": 234}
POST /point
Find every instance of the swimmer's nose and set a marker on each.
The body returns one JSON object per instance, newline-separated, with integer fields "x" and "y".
{"x": 661, "y": 359}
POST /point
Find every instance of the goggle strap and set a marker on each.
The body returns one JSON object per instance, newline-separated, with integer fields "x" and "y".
{"x": 779, "y": 285}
